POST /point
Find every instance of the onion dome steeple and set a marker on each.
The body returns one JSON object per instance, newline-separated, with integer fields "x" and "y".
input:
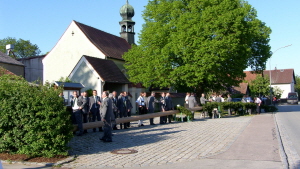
{"x": 127, "y": 25}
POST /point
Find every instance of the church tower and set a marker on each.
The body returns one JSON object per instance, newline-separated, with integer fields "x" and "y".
{"x": 127, "y": 25}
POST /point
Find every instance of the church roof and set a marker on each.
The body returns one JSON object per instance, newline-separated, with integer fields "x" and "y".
{"x": 9, "y": 60}
{"x": 107, "y": 69}
{"x": 110, "y": 45}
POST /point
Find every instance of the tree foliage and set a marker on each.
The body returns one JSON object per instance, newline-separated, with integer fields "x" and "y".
{"x": 23, "y": 48}
{"x": 198, "y": 44}
{"x": 260, "y": 86}
{"x": 33, "y": 119}
{"x": 297, "y": 85}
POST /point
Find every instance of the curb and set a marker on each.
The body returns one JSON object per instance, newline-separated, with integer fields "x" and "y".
{"x": 281, "y": 147}
{"x": 67, "y": 160}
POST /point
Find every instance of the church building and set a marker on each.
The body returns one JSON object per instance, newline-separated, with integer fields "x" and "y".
{"x": 93, "y": 57}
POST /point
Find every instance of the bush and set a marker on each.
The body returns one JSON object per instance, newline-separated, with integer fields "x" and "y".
{"x": 33, "y": 119}
{"x": 235, "y": 106}
{"x": 186, "y": 112}
{"x": 269, "y": 108}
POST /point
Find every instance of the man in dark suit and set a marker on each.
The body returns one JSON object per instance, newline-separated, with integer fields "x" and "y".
{"x": 169, "y": 105}
{"x": 163, "y": 119}
{"x": 77, "y": 113}
{"x": 83, "y": 102}
{"x": 94, "y": 105}
{"x": 150, "y": 104}
{"x": 115, "y": 102}
{"x": 128, "y": 107}
{"x": 106, "y": 116}
{"x": 122, "y": 108}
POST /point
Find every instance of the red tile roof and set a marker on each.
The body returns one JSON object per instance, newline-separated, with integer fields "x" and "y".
{"x": 107, "y": 69}
{"x": 112, "y": 46}
{"x": 249, "y": 76}
{"x": 281, "y": 76}
{"x": 243, "y": 88}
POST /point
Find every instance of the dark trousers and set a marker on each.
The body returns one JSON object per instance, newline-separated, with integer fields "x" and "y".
{"x": 114, "y": 123}
{"x": 96, "y": 114}
{"x": 78, "y": 119}
{"x": 151, "y": 119}
{"x": 107, "y": 134}
{"x": 128, "y": 115}
{"x": 123, "y": 114}
{"x": 257, "y": 109}
{"x": 85, "y": 119}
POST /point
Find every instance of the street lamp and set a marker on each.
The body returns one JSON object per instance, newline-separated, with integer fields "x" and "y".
{"x": 271, "y": 69}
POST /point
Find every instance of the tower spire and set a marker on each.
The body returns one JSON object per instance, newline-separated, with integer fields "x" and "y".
{"x": 127, "y": 24}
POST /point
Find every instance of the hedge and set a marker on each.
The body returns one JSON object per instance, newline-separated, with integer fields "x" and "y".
{"x": 34, "y": 120}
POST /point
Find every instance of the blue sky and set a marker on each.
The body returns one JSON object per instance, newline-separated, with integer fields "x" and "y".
{"x": 44, "y": 21}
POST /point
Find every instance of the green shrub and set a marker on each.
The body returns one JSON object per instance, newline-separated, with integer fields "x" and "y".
{"x": 235, "y": 106}
{"x": 33, "y": 119}
{"x": 269, "y": 108}
{"x": 185, "y": 111}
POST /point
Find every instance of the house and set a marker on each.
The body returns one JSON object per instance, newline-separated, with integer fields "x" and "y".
{"x": 12, "y": 65}
{"x": 33, "y": 68}
{"x": 93, "y": 57}
{"x": 282, "y": 78}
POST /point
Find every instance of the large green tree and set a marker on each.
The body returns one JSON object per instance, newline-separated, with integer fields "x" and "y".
{"x": 260, "y": 86}
{"x": 23, "y": 48}
{"x": 198, "y": 44}
{"x": 297, "y": 85}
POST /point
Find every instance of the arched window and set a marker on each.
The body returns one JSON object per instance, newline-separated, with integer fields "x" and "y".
{"x": 123, "y": 28}
{"x": 129, "y": 28}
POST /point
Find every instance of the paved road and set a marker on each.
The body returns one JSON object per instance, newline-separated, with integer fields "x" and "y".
{"x": 235, "y": 142}
{"x": 288, "y": 119}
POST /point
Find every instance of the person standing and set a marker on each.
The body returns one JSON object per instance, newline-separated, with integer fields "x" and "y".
{"x": 169, "y": 106}
{"x": 150, "y": 104}
{"x": 106, "y": 110}
{"x": 115, "y": 110}
{"x": 229, "y": 99}
{"x": 163, "y": 119}
{"x": 83, "y": 102}
{"x": 186, "y": 99}
{"x": 202, "y": 99}
{"x": 128, "y": 108}
{"x": 192, "y": 101}
{"x": 257, "y": 101}
{"x": 94, "y": 106}
{"x": 219, "y": 98}
{"x": 141, "y": 104}
{"x": 123, "y": 112}
{"x": 77, "y": 113}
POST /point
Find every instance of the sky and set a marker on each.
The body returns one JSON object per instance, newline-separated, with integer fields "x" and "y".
{"x": 43, "y": 22}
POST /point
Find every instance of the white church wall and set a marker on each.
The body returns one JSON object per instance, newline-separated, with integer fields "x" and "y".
{"x": 67, "y": 52}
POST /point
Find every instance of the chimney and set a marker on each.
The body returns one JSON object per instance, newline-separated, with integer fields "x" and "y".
{"x": 9, "y": 48}
{"x": 275, "y": 68}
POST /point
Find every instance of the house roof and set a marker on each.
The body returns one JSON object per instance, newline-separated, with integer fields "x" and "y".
{"x": 29, "y": 58}
{"x": 70, "y": 85}
{"x": 281, "y": 76}
{"x": 107, "y": 69}
{"x": 9, "y": 60}
{"x": 242, "y": 88}
{"x": 250, "y": 76}
{"x": 110, "y": 45}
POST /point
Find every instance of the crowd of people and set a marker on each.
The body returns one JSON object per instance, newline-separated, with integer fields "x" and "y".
{"x": 109, "y": 106}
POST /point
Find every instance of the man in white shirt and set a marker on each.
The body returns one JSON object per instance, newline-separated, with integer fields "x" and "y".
{"x": 77, "y": 113}
{"x": 257, "y": 101}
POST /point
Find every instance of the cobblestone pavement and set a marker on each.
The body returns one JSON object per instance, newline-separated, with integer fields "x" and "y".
{"x": 158, "y": 144}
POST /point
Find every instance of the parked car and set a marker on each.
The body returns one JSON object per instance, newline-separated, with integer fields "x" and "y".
{"x": 292, "y": 98}
{"x": 236, "y": 99}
